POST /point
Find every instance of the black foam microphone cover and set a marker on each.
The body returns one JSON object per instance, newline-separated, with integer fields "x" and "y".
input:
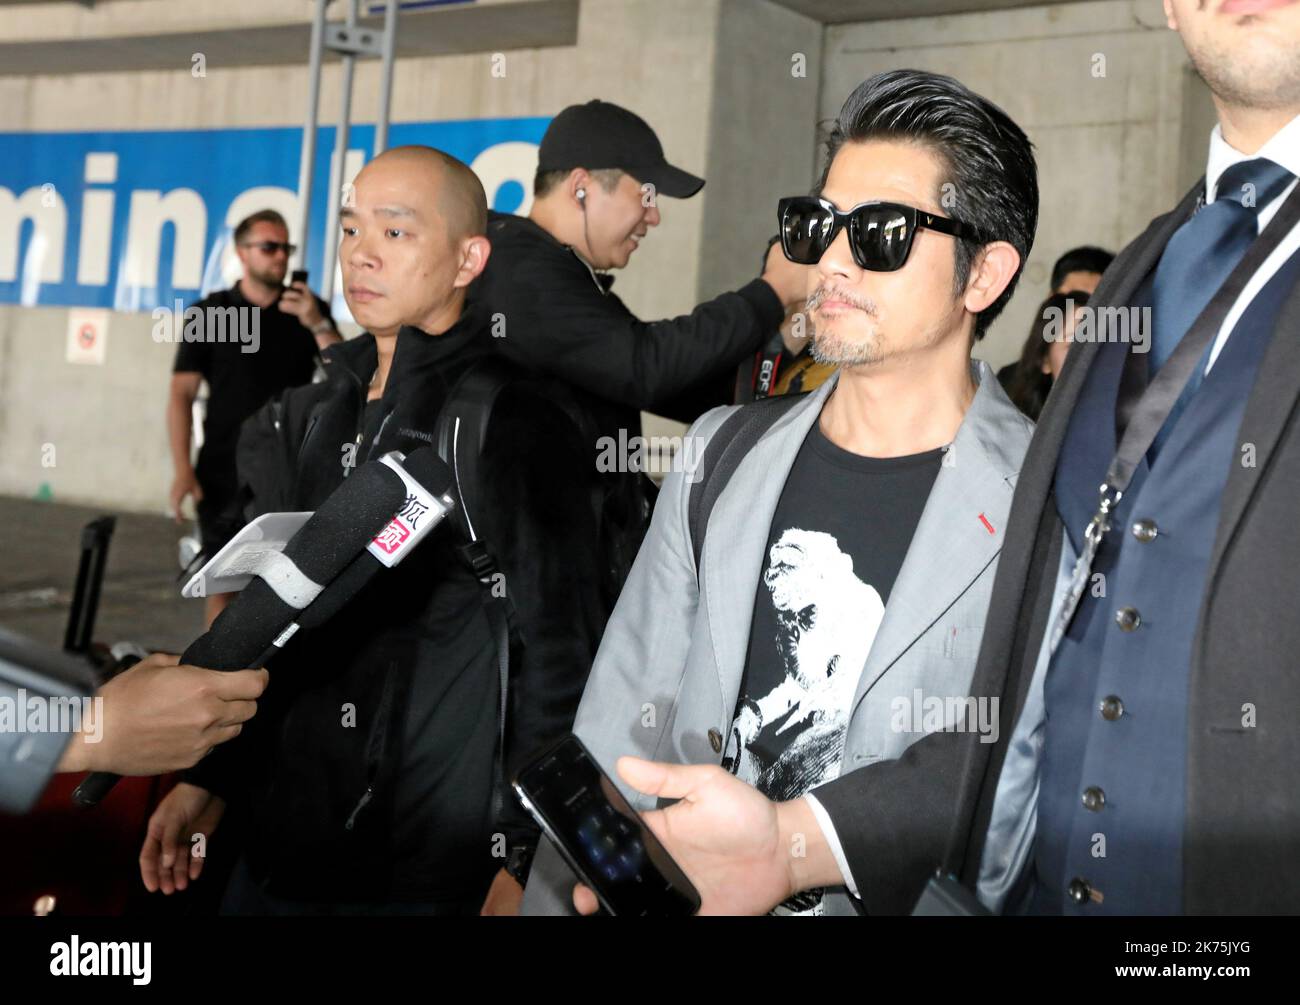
{"x": 334, "y": 538}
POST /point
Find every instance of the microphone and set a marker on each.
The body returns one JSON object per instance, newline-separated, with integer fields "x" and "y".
{"x": 377, "y": 517}
{"x": 330, "y": 558}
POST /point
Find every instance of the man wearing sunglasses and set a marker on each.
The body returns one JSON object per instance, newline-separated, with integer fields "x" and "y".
{"x": 248, "y": 342}
{"x": 831, "y": 614}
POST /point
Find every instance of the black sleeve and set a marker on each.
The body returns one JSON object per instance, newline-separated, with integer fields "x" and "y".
{"x": 560, "y": 324}
{"x": 194, "y": 357}
{"x": 224, "y": 771}
{"x": 539, "y": 522}
{"x": 895, "y": 819}
{"x": 262, "y": 460}
{"x": 717, "y": 389}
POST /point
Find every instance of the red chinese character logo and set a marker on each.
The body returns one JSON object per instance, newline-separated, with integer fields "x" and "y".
{"x": 393, "y": 536}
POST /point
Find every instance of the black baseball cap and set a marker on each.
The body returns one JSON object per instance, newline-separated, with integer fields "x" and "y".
{"x": 601, "y": 135}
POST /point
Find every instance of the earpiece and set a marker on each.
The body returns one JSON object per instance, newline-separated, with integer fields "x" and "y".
{"x": 582, "y": 195}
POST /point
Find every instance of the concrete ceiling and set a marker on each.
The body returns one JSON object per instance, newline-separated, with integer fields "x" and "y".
{"x": 450, "y": 30}
{"x": 841, "y": 11}
{"x": 441, "y": 32}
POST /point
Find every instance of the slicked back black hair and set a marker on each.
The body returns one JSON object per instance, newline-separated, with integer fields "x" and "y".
{"x": 986, "y": 157}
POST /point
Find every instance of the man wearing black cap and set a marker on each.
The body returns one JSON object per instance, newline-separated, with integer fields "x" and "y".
{"x": 600, "y": 172}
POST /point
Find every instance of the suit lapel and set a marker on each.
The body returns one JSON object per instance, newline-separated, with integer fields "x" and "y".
{"x": 953, "y": 542}
{"x": 1118, "y": 288}
{"x": 735, "y": 541}
{"x": 1270, "y": 406}
{"x": 1126, "y": 273}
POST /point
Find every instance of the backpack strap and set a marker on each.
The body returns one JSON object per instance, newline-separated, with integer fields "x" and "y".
{"x": 459, "y": 434}
{"x": 727, "y": 448}
{"x": 461, "y": 431}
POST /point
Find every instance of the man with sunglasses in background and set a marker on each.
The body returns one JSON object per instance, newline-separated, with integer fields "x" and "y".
{"x": 248, "y": 342}
{"x": 820, "y": 608}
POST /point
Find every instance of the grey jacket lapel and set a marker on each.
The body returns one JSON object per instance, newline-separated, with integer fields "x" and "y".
{"x": 961, "y": 528}
{"x": 735, "y": 542}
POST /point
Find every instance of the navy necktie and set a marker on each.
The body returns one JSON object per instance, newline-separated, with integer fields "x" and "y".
{"x": 1200, "y": 257}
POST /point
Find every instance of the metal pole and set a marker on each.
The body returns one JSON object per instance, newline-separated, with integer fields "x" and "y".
{"x": 336, "y": 169}
{"x": 386, "y": 77}
{"x": 308, "y": 157}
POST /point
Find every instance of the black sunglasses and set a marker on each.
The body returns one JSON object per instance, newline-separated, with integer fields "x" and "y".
{"x": 880, "y": 233}
{"x": 271, "y": 247}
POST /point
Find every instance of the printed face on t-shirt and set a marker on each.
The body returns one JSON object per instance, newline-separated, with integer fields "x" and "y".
{"x": 816, "y": 595}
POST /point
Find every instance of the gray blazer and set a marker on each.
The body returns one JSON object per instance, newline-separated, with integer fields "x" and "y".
{"x": 669, "y": 668}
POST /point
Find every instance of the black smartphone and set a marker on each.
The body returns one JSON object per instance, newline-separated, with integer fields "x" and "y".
{"x": 299, "y": 276}
{"x": 601, "y": 836}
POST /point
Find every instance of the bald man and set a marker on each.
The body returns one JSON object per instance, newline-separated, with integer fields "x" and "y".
{"x": 370, "y": 788}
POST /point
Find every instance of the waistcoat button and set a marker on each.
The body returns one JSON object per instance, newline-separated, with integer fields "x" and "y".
{"x": 1145, "y": 530}
{"x": 1128, "y": 619}
{"x": 1111, "y": 707}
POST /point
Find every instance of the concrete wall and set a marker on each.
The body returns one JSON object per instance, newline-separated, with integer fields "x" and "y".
{"x": 1111, "y": 149}
{"x": 78, "y": 433}
{"x": 762, "y": 118}
{"x": 762, "y": 133}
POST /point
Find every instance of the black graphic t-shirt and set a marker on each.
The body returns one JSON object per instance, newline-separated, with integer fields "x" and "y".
{"x": 839, "y": 536}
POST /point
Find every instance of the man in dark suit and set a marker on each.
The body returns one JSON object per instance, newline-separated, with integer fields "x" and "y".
{"x": 1148, "y": 736}
{"x": 1151, "y": 733}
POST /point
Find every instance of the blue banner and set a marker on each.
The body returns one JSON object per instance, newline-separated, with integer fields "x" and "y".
{"x": 138, "y": 220}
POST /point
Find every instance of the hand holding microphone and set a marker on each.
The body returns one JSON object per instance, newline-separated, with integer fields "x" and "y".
{"x": 159, "y": 716}
{"x": 378, "y": 516}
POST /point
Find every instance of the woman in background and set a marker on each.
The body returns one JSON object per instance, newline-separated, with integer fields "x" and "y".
{"x": 1043, "y": 355}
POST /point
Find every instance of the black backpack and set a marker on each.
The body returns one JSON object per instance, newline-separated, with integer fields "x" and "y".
{"x": 459, "y": 435}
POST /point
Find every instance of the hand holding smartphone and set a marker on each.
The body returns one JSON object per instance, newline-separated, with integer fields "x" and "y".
{"x": 601, "y": 836}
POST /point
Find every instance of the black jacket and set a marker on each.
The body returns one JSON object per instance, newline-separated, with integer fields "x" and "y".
{"x": 555, "y": 316}
{"x": 398, "y": 805}
{"x": 1243, "y": 814}
{"x": 548, "y": 313}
